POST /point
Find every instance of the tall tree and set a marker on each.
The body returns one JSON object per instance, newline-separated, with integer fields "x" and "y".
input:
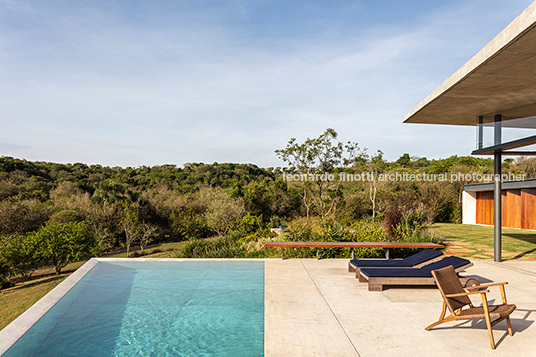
{"x": 131, "y": 224}
{"x": 316, "y": 162}
{"x": 376, "y": 166}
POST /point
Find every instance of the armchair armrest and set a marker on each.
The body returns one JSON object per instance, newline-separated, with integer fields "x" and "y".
{"x": 485, "y": 285}
{"x": 466, "y": 294}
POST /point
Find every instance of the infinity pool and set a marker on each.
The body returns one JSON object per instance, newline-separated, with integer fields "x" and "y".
{"x": 141, "y": 308}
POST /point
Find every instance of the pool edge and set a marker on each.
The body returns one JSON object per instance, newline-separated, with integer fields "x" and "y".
{"x": 18, "y": 327}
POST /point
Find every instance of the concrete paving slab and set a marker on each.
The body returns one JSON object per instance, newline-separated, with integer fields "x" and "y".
{"x": 298, "y": 321}
{"x": 315, "y": 307}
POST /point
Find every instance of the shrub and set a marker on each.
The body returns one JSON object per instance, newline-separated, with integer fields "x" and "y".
{"x": 331, "y": 231}
{"x": 247, "y": 224}
{"x": 223, "y": 247}
{"x": 265, "y": 233}
{"x": 66, "y": 216}
{"x": 18, "y": 254}
{"x": 221, "y": 209}
{"x": 4, "y": 272}
{"x": 61, "y": 243}
{"x": 189, "y": 224}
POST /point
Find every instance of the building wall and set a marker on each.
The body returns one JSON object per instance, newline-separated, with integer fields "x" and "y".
{"x": 518, "y": 208}
{"x": 468, "y": 207}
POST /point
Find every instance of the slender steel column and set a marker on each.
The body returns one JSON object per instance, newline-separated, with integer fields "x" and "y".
{"x": 497, "y": 232}
{"x": 497, "y": 131}
{"x": 480, "y": 133}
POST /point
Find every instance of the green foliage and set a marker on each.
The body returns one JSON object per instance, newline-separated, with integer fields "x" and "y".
{"x": 148, "y": 235}
{"x": 319, "y": 156}
{"x": 4, "y": 271}
{"x": 270, "y": 198}
{"x": 130, "y": 222}
{"x": 66, "y": 216}
{"x": 259, "y": 235}
{"x": 201, "y": 200}
{"x": 404, "y": 160}
{"x": 21, "y": 216}
{"x": 223, "y": 247}
{"x": 189, "y": 224}
{"x": 330, "y": 231}
{"x": 109, "y": 191}
{"x": 247, "y": 224}
{"x": 221, "y": 209}
{"x": 19, "y": 254}
{"x": 407, "y": 223}
{"x": 411, "y": 224}
{"x": 61, "y": 243}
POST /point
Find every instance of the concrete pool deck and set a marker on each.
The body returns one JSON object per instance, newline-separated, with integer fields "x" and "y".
{"x": 316, "y": 308}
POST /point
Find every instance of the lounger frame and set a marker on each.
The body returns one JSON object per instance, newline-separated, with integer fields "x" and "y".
{"x": 377, "y": 283}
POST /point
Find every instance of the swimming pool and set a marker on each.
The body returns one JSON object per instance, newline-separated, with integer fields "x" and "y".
{"x": 164, "y": 308}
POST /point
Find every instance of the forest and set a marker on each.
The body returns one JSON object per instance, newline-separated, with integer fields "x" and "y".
{"x": 52, "y": 214}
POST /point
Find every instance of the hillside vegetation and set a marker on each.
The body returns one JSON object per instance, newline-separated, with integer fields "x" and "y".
{"x": 52, "y": 214}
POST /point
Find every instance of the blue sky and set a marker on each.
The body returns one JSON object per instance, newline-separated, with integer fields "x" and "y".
{"x": 130, "y": 83}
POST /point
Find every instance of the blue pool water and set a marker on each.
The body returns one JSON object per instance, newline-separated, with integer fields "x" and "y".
{"x": 198, "y": 308}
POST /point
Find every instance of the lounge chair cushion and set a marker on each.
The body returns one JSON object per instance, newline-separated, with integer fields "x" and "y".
{"x": 424, "y": 272}
{"x": 408, "y": 262}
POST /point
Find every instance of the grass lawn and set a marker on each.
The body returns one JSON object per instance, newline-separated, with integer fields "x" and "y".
{"x": 17, "y": 299}
{"x": 475, "y": 241}
{"x": 167, "y": 250}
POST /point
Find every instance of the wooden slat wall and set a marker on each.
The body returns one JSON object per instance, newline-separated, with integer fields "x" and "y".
{"x": 518, "y": 208}
{"x": 528, "y": 199}
{"x": 511, "y": 209}
{"x": 484, "y": 207}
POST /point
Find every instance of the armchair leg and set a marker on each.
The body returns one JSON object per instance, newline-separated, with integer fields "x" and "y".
{"x": 441, "y": 318}
{"x": 488, "y": 321}
{"x": 448, "y": 319}
{"x": 509, "y": 326}
{"x": 490, "y": 333}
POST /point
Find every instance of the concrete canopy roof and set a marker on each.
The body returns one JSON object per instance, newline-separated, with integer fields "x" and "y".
{"x": 499, "y": 79}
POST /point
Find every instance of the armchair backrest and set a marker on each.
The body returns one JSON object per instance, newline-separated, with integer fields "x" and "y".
{"x": 448, "y": 283}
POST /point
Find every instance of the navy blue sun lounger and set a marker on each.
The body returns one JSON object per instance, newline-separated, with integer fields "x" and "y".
{"x": 413, "y": 261}
{"x": 378, "y": 277}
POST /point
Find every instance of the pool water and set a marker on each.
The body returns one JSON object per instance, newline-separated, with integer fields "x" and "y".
{"x": 196, "y": 308}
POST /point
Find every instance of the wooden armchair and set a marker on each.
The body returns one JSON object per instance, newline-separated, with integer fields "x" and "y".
{"x": 456, "y": 298}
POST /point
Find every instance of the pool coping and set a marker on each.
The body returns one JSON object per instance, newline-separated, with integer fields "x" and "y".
{"x": 18, "y": 327}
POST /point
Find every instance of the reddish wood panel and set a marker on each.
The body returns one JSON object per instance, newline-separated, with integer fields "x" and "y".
{"x": 518, "y": 208}
{"x": 528, "y": 201}
{"x": 484, "y": 207}
{"x": 512, "y": 209}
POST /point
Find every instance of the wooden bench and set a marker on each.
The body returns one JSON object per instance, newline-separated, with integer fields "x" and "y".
{"x": 352, "y": 245}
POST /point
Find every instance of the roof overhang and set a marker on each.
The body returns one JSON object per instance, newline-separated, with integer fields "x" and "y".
{"x": 506, "y": 185}
{"x": 499, "y": 79}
